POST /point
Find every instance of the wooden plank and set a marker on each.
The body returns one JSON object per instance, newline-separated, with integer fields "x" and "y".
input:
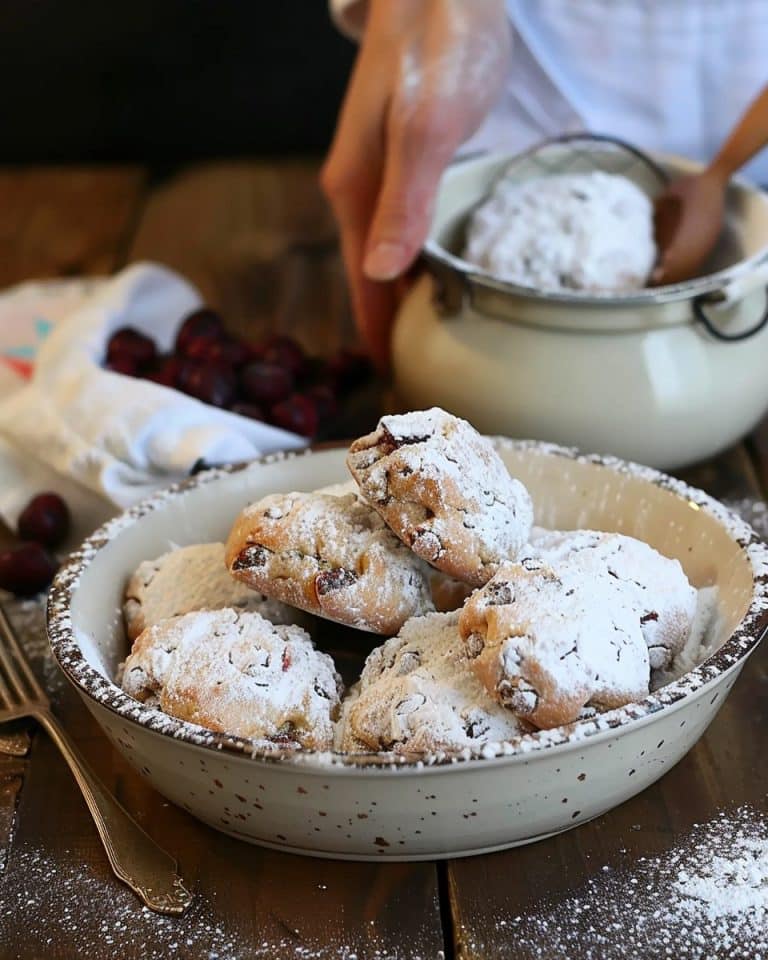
{"x": 258, "y": 242}
{"x": 250, "y": 902}
{"x": 64, "y": 221}
{"x": 57, "y": 222}
{"x": 757, "y": 445}
{"x": 725, "y": 769}
{"x": 12, "y": 769}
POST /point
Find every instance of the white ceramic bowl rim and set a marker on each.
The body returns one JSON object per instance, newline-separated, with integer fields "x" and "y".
{"x": 69, "y": 654}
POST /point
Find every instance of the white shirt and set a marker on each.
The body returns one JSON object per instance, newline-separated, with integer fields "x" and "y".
{"x": 666, "y": 75}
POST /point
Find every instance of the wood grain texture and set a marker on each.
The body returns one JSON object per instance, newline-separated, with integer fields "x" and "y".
{"x": 258, "y": 241}
{"x": 57, "y": 222}
{"x": 65, "y": 222}
{"x": 757, "y": 445}
{"x": 724, "y": 770}
{"x": 249, "y": 902}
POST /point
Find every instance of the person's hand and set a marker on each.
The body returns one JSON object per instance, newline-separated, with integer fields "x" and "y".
{"x": 427, "y": 74}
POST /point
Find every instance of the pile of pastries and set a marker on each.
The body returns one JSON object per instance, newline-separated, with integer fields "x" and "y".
{"x": 491, "y": 627}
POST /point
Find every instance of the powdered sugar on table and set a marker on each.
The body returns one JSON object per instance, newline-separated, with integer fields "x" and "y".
{"x": 706, "y": 897}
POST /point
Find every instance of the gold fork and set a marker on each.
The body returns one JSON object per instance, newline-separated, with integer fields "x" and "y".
{"x": 133, "y": 855}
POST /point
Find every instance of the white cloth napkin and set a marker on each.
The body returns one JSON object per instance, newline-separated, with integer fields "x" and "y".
{"x": 78, "y": 428}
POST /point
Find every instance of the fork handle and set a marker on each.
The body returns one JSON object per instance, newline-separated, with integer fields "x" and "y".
{"x": 133, "y": 855}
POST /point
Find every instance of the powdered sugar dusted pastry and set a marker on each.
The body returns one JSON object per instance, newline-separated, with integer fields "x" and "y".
{"x": 418, "y": 695}
{"x": 235, "y": 672}
{"x": 333, "y": 556}
{"x": 548, "y": 641}
{"x": 338, "y": 489}
{"x": 447, "y": 592}
{"x": 186, "y": 579}
{"x": 445, "y": 492}
{"x": 666, "y": 602}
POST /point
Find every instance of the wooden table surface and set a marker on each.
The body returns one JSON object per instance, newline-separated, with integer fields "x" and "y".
{"x": 257, "y": 240}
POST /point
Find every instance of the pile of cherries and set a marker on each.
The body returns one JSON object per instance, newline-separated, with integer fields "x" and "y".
{"x": 274, "y": 381}
{"x": 29, "y": 567}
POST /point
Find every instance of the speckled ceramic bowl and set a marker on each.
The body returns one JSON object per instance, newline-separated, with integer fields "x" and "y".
{"x": 387, "y": 807}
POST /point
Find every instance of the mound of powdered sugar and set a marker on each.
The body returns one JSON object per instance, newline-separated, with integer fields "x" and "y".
{"x": 587, "y": 231}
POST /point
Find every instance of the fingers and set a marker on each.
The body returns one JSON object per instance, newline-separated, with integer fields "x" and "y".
{"x": 422, "y": 82}
{"x": 446, "y": 84}
{"x": 351, "y": 179}
{"x": 420, "y": 145}
{"x": 352, "y": 187}
{"x": 373, "y": 303}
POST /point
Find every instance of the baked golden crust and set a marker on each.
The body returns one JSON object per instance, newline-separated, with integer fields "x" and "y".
{"x": 546, "y": 641}
{"x": 235, "y": 672}
{"x": 666, "y": 602}
{"x": 332, "y": 556}
{"x": 417, "y": 694}
{"x": 443, "y": 489}
{"x": 186, "y": 579}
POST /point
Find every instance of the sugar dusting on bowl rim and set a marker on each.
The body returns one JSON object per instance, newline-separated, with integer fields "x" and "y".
{"x": 69, "y": 654}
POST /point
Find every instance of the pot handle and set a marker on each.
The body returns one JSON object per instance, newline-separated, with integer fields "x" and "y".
{"x": 700, "y": 314}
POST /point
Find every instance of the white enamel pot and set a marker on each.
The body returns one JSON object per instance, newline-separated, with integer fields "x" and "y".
{"x": 387, "y": 807}
{"x": 667, "y": 376}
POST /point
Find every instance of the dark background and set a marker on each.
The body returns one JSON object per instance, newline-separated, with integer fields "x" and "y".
{"x": 167, "y": 80}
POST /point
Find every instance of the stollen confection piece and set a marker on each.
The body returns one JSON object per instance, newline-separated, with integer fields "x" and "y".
{"x": 235, "y": 672}
{"x": 418, "y": 695}
{"x": 666, "y": 602}
{"x": 332, "y": 556}
{"x": 447, "y": 592}
{"x": 186, "y": 579}
{"x": 547, "y": 641}
{"x": 340, "y": 489}
{"x": 444, "y": 491}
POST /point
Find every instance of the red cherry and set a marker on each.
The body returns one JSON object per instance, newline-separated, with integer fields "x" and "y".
{"x": 199, "y": 348}
{"x": 184, "y": 374}
{"x": 26, "y": 569}
{"x": 265, "y": 382}
{"x": 45, "y": 519}
{"x": 287, "y": 353}
{"x": 349, "y": 369}
{"x": 128, "y": 343}
{"x": 249, "y": 410}
{"x": 324, "y": 397}
{"x": 314, "y": 371}
{"x": 211, "y": 384}
{"x": 200, "y": 323}
{"x": 255, "y": 351}
{"x": 166, "y": 372}
{"x": 230, "y": 351}
{"x": 298, "y": 413}
{"x": 125, "y": 365}
{"x": 225, "y": 352}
